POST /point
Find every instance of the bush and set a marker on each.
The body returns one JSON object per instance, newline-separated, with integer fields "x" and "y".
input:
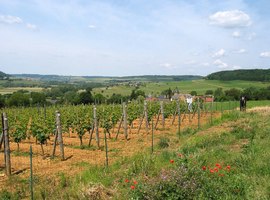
{"x": 163, "y": 143}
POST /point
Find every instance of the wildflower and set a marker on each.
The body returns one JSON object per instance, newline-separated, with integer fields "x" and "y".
{"x": 218, "y": 165}
{"x": 180, "y": 155}
{"x": 221, "y": 175}
{"x": 172, "y": 161}
{"x": 216, "y": 169}
{"x": 212, "y": 171}
{"x": 135, "y": 182}
{"x": 204, "y": 168}
{"x": 228, "y": 168}
{"x": 126, "y": 180}
{"x": 132, "y": 187}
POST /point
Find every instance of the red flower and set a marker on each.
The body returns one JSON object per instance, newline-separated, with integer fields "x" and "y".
{"x": 228, "y": 168}
{"x": 135, "y": 182}
{"x": 204, "y": 168}
{"x": 132, "y": 187}
{"x": 218, "y": 165}
{"x": 180, "y": 155}
{"x": 216, "y": 169}
{"x": 126, "y": 180}
{"x": 212, "y": 171}
{"x": 221, "y": 175}
{"x": 172, "y": 161}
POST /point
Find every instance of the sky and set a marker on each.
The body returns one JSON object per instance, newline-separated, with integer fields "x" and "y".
{"x": 133, "y": 37}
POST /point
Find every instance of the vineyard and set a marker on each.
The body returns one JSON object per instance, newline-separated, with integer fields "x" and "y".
{"x": 65, "y": 137}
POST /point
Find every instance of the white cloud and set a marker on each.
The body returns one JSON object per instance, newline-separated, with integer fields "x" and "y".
{"x": 241, "y": 51}
{"x": 219, "y": 53}
{"x": 265, "y": 54}
{"x": 8, "y": 19}
{"x": 32, "y": 27}
{"x": 236, "y": 34}
{"x": 236, "y": 67}
{"x": 220, "y": 63}
{"x": 92, "y": 26}
{"x": 230, "y": 19}
{"x": 168, "y": 66}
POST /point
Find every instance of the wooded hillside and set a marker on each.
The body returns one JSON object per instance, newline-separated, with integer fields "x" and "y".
{"x": 243, "y": 74}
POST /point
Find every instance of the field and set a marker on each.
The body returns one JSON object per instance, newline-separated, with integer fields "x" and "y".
{"x": 200, "y": 86}
{"x": 232, "y": 140}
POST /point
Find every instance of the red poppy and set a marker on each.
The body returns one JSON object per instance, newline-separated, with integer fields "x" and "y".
{"x": 228, "y": 168}
{"x": 171, "y": 161}
{"x": 180, "y": 155}
{"x": 218, "y": 165}
{"x": 221, "y": 175}
{"x": 126, "y": 180}
{"x": 216, "y": 169}
{"x": 204, "y": 168}
{"x": 212, "y": 171}
{"x": 135, "y": 182}
{"x": 132, "y": 187}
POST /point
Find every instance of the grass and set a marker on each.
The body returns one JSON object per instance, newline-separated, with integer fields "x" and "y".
{"x": 200, "y": 86}
{"x": 213, "y": 163}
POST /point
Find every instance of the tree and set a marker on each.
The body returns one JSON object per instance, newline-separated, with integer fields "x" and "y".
{"x": 193, "y": 93}
{"x": 168, "y": 93}
{"x": 19, "y": 99}
{"x": 85, "y": 97}
{"x": 233, "y": 94}
{"x": 219, "y": 94}
{"x": 209, "y": 92}
{"x": 38, "y": 98}
{"x": 2, "y": 101}
{"x": 99, "y": 98}
{"x": 136, "y": 93}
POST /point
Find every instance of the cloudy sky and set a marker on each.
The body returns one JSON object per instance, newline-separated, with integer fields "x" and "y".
{"x": 133, "y": 37}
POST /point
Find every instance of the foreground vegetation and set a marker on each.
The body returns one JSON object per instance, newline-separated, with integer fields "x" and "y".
{"x": 229, "y": 160}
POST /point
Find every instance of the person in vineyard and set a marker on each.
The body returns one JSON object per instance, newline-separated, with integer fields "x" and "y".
{"x": 243, "y": 103}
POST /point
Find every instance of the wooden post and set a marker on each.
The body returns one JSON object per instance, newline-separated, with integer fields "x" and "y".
{"x": 31, "y": 173}
{"x": 199, "y": 114}
{"x": 125, "y": 120}
{"x": 162, "y": 114}
{"x": 59, "y": 131}
{"x": 96, "y": 126}
{"x": 179, "y": 117}
{"x": 55, "y": 142}
{"x": 2, "y": 135}
{"x": 157, "y": 119}
{"x": 106, "y": 149}
{"x": 152, "y": 139}
{"x": 212, "y": 106}
{"x": 6, "y": 145}
{"x": 120, "y": 124}
{"x": 146, "y": 116}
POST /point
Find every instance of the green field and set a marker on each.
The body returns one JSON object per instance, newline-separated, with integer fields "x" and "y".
{"x": 200, "y": 86}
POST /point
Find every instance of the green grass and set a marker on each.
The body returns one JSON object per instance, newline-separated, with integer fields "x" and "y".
{"x": 200, "y": 86}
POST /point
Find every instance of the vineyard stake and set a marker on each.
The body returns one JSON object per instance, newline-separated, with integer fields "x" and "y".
{"x": 162, "y": 114}
{"x": 31, "y": 173}
{"x": 179, "y": 117}
{"x": 125, "y": 120}
{"x": 152, "y": 142}
{"x": 157, "y": 119}
{"x": 120, "y": 124}
{"x": 6, "y": 145}
{"x": 199, "y": 113}
{"x": 59, "y": 131}
{"x": 212, "y": 106}
{"x": 2, "y": 135}
{"x": 96, "y": 126}
{"x": 146, "y": 116}
{"x": 106, "y": 148}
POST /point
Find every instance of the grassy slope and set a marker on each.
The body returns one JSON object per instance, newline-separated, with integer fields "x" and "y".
{"x": 240, "y": 140}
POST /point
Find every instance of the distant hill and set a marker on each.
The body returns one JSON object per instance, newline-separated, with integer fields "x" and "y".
{"x": 243, "y": 74}
{"x": 106, "y": 78}
{"x": 3, "y": 76}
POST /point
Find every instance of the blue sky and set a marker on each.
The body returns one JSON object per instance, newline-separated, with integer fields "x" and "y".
{"x": 133, "y": 37}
